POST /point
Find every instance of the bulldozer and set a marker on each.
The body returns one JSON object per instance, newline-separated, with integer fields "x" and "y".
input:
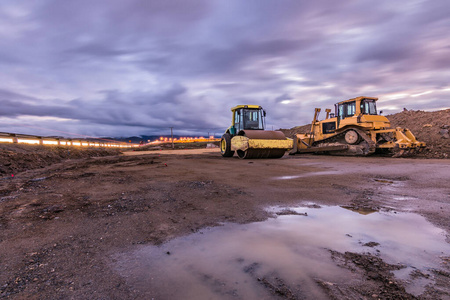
{"x": 246, "y": 135}
{"x": 355, "y": 128}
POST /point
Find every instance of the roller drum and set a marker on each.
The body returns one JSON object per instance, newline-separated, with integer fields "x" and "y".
{"x": 263, "y": 135}
{"x": 262, "y": 153}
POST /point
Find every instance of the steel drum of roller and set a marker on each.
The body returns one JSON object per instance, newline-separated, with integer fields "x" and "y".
{"x": 261, "y": 137}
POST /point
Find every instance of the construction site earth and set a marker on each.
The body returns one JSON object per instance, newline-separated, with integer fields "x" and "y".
{"x": 189, "y": 224}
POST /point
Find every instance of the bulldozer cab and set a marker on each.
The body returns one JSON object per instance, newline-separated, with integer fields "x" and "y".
{"x": 247, "y": 117}
{"x": 355, "y": 107}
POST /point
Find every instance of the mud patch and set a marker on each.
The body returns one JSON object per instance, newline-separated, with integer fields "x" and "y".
{"x": 364, "y": 210}
{"x": 287, "y": 212}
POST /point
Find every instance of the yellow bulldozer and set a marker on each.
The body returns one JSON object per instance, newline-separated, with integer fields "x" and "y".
{"x": 355, "y": 128}
{"x": 246, "y": 135}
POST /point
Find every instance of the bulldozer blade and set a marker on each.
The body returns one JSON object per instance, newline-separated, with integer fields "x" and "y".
{"x": 323, "y": 149}
{"x": 399, "y": 153}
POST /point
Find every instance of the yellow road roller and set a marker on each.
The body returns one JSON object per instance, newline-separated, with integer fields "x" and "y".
{"x": 246, "y": 135}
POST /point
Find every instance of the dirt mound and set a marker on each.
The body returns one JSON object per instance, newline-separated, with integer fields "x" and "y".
{"x": 429, "y": 127}
{"x": 17, "y": 158}
{"x": 294, "y": 130}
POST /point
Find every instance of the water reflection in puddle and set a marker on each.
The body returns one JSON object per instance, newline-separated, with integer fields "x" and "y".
{"x": 310, "y": 174}
{"x": 240, "y": 261}
{"x": 401, "y": 198}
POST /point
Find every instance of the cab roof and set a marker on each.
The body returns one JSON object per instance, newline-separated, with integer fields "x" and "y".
{"x": 246, "y": 106}
{"x": 358, "y": 99}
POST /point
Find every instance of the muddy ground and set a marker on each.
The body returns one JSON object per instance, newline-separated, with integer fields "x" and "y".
{"x": 62, "y": 223}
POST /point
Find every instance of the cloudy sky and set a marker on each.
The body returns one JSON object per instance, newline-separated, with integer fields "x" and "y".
{"x": 138, "y": 67}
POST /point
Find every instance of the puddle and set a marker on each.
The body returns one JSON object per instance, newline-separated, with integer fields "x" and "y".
{"x": 402, "y": 198}
{"x": 311, "y": 174}
{"x": 250, "y": 261}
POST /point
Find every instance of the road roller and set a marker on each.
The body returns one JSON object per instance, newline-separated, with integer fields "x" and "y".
{"x": 246, "y": 135}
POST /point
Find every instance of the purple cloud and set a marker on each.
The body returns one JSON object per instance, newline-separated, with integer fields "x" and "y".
{"x": 134, "y": 67}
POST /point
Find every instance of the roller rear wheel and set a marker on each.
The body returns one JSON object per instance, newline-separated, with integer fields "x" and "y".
{"x": 225, "y": 145}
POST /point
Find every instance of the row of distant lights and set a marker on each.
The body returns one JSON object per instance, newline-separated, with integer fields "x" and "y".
{"x": 64, "y": 143}
{"x": 97, "y": 144}
{"x": 181, "y": 139}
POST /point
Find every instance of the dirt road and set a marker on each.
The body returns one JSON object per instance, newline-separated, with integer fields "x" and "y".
{"x": 61, "y": 226}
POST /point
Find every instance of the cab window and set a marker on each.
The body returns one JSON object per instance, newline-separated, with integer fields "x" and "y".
{"x": 351, "y": 107}
{"x": 237, "y": 120}
{"x": 252, "y": 119}
{"x": 341, "y": 111}
{"x": 346, "y": 109}
{"x": 368, "y": 107}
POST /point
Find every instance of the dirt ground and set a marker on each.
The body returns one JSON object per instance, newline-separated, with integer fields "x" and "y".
{"x": 61, "y": 221}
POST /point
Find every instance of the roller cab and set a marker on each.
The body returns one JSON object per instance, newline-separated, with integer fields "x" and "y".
{"x": 247, "y": 138}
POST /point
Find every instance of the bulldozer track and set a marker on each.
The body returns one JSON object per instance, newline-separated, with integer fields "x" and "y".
{"x": 338, "y": 138}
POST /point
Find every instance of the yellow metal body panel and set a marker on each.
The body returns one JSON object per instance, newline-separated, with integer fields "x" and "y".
{"x": 243, "y": 143}
{"x": 374, "y": 118}
{"x": 245, "y": 106}
{"x": 377, "y": 122}
{"x": 365, "y": 121}
{"x": 304, "y": 141}
{"x": 239, "y": 143}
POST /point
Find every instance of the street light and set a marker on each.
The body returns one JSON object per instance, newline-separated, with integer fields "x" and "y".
{"x": 171, "y": 133}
